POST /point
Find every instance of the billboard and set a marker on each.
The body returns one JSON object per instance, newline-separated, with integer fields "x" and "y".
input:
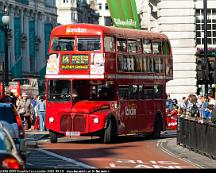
{"x": 124, "y": 13}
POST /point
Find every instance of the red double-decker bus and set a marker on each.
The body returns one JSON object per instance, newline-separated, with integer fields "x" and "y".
{"x": 106, "y": 81}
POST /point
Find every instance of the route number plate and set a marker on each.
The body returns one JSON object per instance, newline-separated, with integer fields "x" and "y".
{"x": 72, "y": 133}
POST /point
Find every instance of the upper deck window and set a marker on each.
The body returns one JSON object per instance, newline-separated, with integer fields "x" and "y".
{"x": 165, "y": 48}
{"x": 134, "y": 46}
{"x": 63, "y": 44}
{"x": 156, "y": 47}
{"x": 121, "y": 43}
{"x": 147, "y": 46}
{"x": 89, "y": 44}
{"x": 109, "y": 44}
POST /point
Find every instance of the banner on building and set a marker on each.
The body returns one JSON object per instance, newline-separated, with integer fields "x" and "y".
{"x": 17, "y": 37}
{"x": 47, "y": 30}
{"x": 2, "y": 37}
{"x": 124, "y": 13}
{"x": 16, "y": 69}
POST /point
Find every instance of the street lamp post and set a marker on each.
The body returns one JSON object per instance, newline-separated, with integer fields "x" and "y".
{"x": 205, "y": 44}
{"x": 5, "y": 21}
{"x": 5, "y": 29}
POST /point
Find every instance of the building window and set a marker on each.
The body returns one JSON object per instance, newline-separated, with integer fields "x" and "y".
{"x": 99, "y": 6}
{"x": 106, "y": 7}
{"x": 107, "y": 21}
{"x": 211, "y": 26}
{"x": 65, "y": 1}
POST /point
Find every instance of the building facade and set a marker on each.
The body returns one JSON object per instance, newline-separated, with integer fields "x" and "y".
{"x": 67, "y": 11}
{"x": 76, "y": 11}
{"x": 30, "y": 25}
{"x": 182, "y": 21}
{"x": 104, "y": 14}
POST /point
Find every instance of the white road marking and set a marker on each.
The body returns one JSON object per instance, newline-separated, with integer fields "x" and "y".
{"x": 66, "y": 159}
{"x": 152, "y": 164}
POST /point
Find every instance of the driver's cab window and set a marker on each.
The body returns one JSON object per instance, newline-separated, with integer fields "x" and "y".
{"x": 59, "y": 90}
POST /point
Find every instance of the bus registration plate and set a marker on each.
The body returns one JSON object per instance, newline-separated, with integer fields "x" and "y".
{"x": 73, "y": 133}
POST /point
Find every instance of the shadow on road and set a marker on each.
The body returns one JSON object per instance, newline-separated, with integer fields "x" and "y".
{"x": 121, "y": 139}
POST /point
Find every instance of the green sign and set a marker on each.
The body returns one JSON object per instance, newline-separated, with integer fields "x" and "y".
{"x": 75, "y": 62}
{"x": 124, "y": 13}
{"x": 74, "y": 67}
{"x": 80, "y": 59}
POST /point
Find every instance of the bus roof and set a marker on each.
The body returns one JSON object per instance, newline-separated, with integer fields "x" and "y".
{"x": 92, "y": 30}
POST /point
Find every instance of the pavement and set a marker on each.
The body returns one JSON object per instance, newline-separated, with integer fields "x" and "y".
{"x": 167, "y": 143}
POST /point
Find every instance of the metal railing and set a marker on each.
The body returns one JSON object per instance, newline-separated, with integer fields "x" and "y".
{"x": 199, "y": 137}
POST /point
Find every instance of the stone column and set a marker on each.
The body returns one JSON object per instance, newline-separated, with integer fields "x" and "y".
{"x": 176, "y": 19}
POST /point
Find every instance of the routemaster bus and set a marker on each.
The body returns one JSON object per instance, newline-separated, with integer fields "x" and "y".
{"x": 106, "y": 81}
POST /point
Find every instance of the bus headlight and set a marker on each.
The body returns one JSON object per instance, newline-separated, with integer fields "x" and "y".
{"x": 96, "y": 120}
{"x": 51, "y": 119}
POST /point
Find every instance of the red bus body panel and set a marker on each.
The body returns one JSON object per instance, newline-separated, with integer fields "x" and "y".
{"x": 80, "y": 116}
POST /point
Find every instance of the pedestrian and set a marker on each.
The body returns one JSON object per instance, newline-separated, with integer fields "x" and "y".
{"x": 208, "y": 113}
{"x": 19, "y": 98}
{"x": 28, "y": 111}
{"x": 169, "y": 103}
{"x": 41, "y": 112}
{"x": 203, "y": 104}
{"x": 213, "y": 116}
{"x": 191, "y": 106}
{"x": 24, "y": 108}
{"x": 13, "y": 98}
{"x": 34, "y": 103}
{"x": 211, "y": 99}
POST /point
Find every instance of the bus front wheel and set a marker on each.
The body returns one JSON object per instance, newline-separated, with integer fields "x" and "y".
{"x": 53, "y": 136}
{"x": 110, "y": 133}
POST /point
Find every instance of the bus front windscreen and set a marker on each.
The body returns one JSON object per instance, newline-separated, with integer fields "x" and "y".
{"x": 89, "y": 44}
{"x": 59, "y": 90}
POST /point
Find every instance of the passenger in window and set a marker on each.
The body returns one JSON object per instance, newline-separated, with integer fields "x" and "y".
{"x": 69, "y": 47}
{"x": 74, "y": 94}
{"x": 103, "y": 94}
{"x": 106, "y": 93}
{"x": 58, "y": 47}
{"x": 80, "y": 47}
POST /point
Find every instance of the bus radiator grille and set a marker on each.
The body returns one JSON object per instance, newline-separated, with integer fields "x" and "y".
{"x": 66, "y": 123}
{"x": 79, "y": 123}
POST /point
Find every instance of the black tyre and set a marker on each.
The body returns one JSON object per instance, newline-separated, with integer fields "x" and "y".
{"x": 157, "y": 127}
{"x": 53, "y": 137}
{"x": 110, "y": 133}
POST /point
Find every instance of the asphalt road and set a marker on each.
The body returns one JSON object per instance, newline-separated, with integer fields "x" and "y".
{"x": 85, "y": 152}
{"x": 128, "y": 152}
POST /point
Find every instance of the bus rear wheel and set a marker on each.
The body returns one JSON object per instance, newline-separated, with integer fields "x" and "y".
{"x": 157, "y": 127}
{"x": 110, "y": 133}
{"x": 53, "y": 136}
